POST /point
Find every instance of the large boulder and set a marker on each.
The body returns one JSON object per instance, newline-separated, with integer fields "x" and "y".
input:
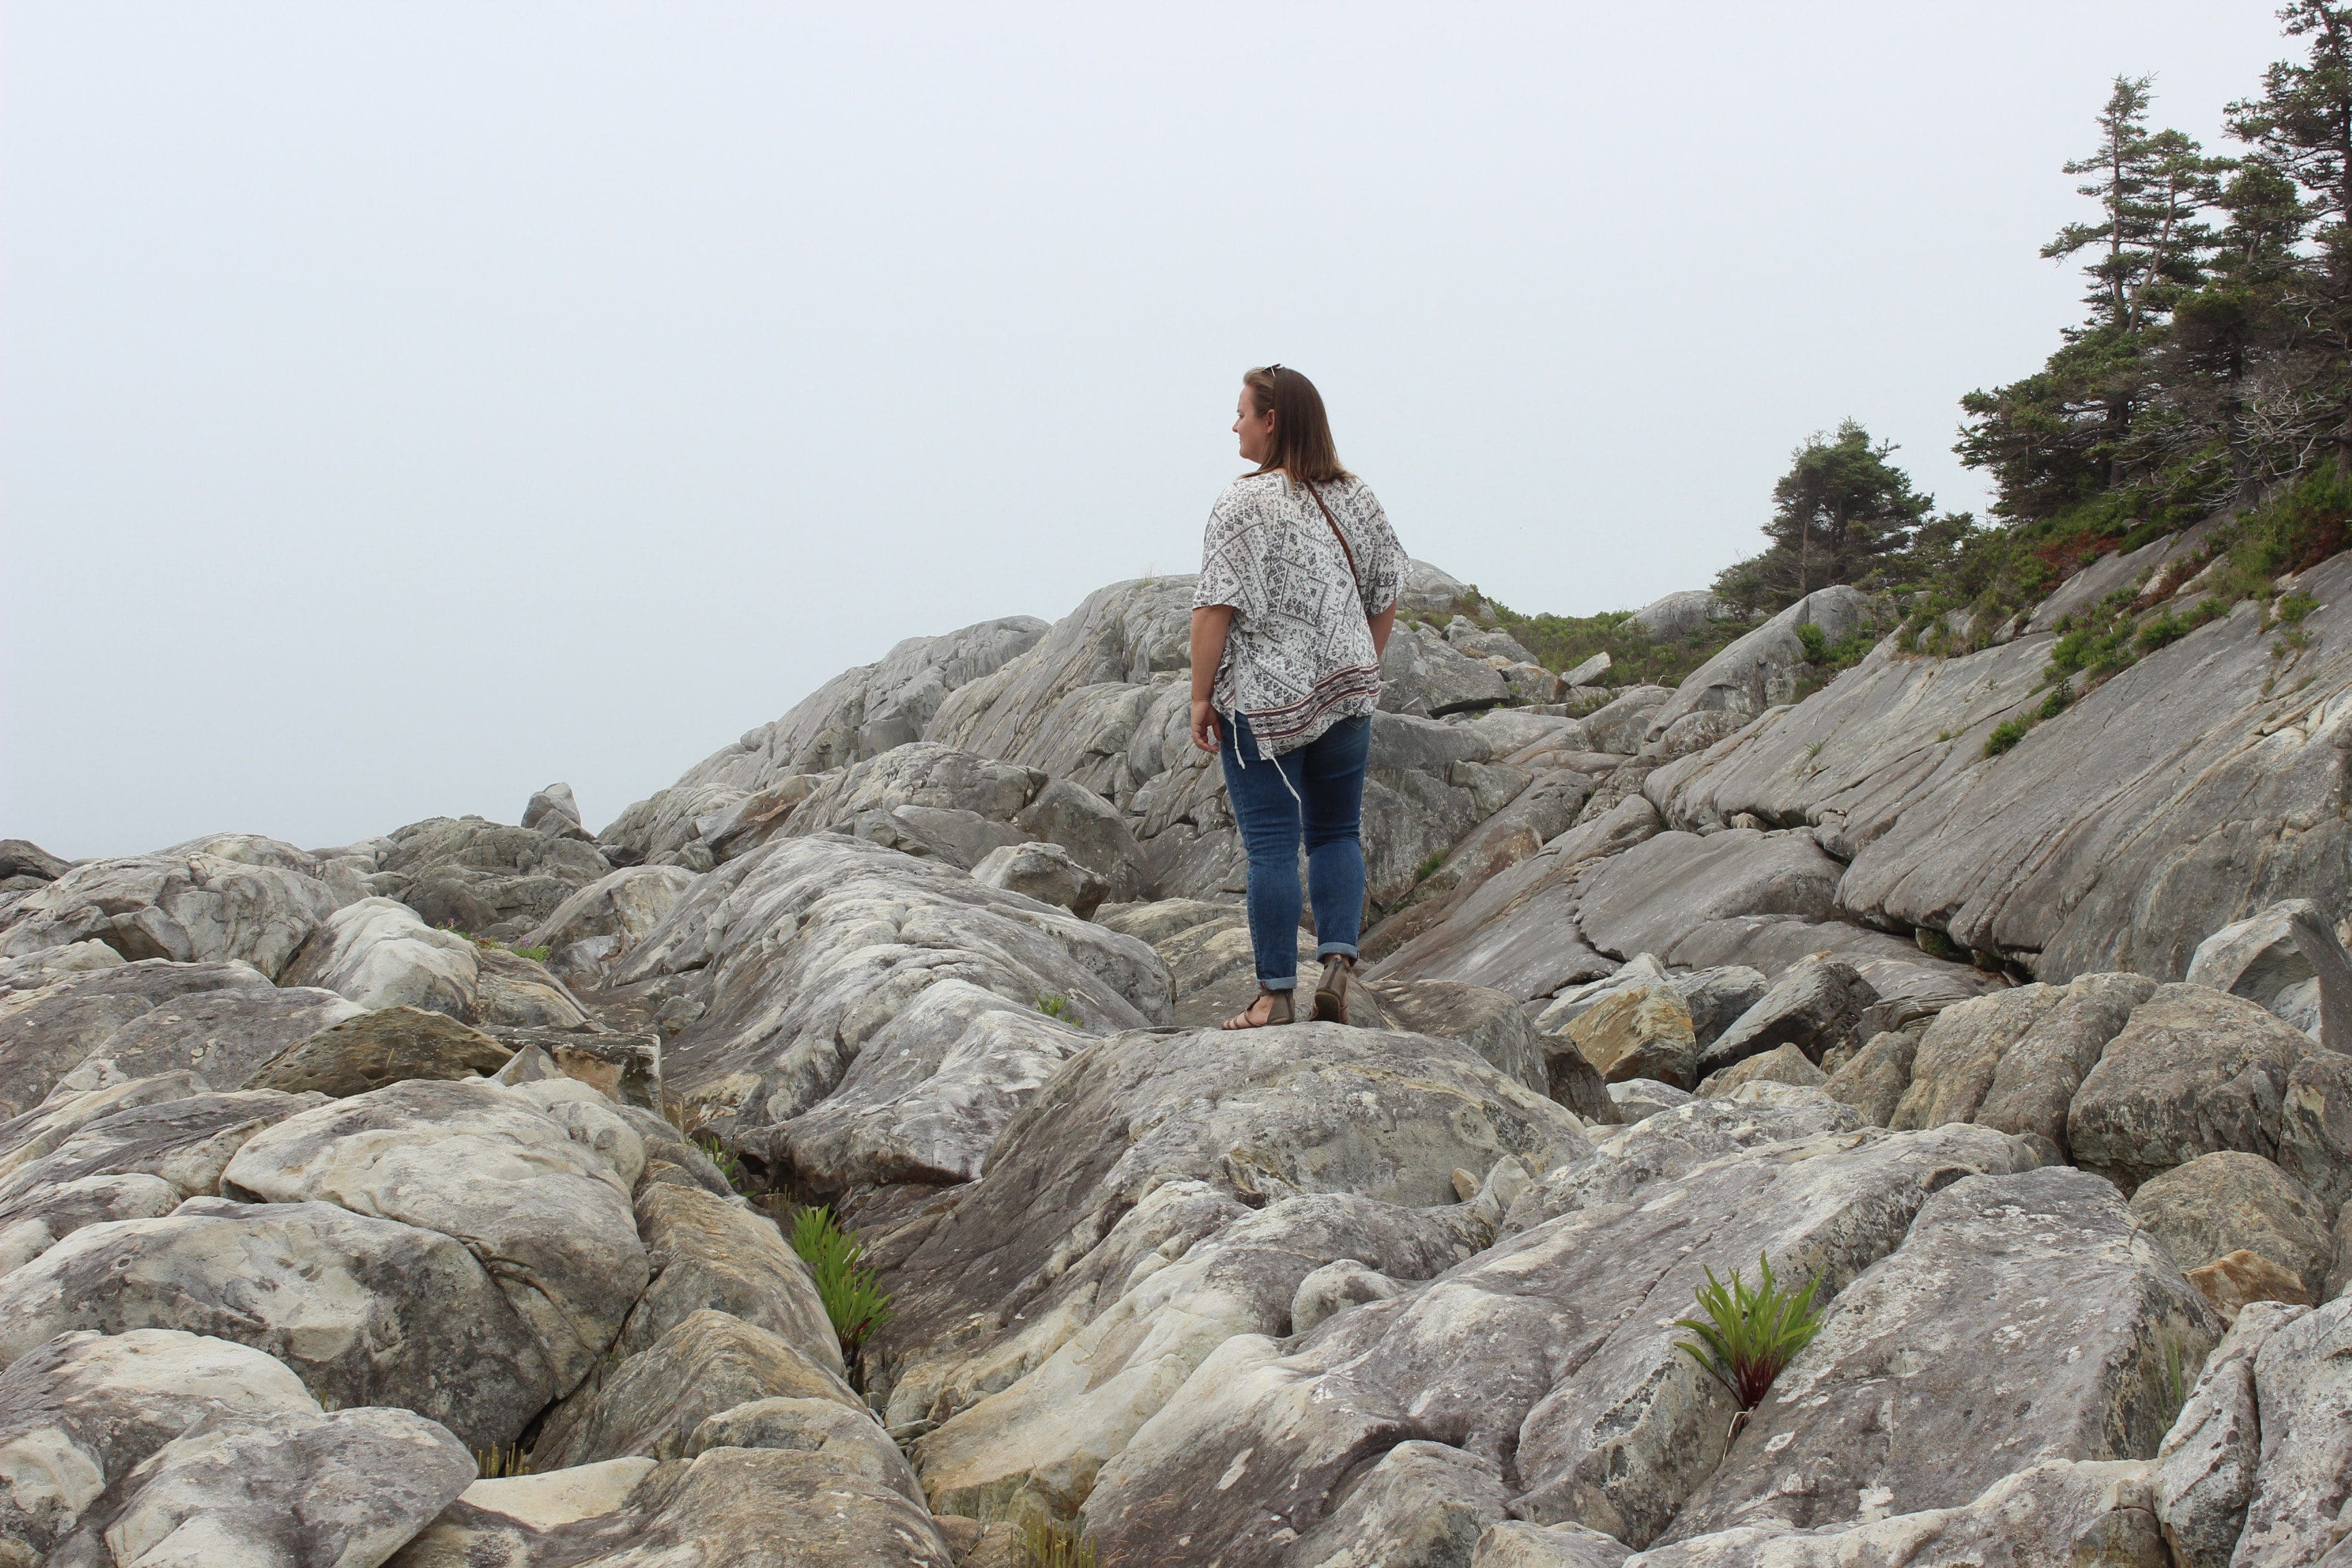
{"x": 2288, "y": 960}
{"x": 545, "y": 1210}
{"x": 49, "y": 1031}
{"x": 84, "y": 1410}
{"x": 365, "y": 1312}
{"x": 1424, "y": 675}
{"x": 2220, "y": 1202}
{"x": 2194, "y": 1070}
{"x": 1683, "y": 614}
{"x": 616, "y": 911}
{"x": 483, "y": 878}
{"x": 46, "y": 1216}
{"x": 293, "y": 1486}
{"x": 1766, "y": 667}
{"x": 187, "y": 1140}
{"x": 230, "y": 897}
{"x": 727, "y": 1507}
{"x": 708, "y": 1254}
{"x": 653, "y": 1403}
{"x": 1816, "y": 1007}
{"x": 2303, "y": 1386}
{"x": 224, "y": 1036}
{"x": 800, "y": 952}
{"x": 2208, "y": 1461}
{"x": 1605, "y": 1423}
{"x": 380, "y": 954}
{"x": 1689, "y": 900}
{"x": 368, "y": 1050}
{"x": 2024, "y": 1318}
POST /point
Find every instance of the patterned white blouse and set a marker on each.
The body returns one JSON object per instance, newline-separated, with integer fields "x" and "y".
{"x": 1300, "y": 657}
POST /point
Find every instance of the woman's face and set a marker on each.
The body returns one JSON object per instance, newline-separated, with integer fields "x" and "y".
{"x": 1255, "y": 429}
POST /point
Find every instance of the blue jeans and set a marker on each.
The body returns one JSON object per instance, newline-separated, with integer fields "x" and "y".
{"x": 1316, "y": 793}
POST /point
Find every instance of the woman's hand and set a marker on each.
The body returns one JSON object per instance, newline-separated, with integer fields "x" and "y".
{"x": 1205, "y": 733}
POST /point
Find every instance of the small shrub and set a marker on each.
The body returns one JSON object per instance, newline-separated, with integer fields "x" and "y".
{"x": 729, "y": 1163}
{"x": 2061, "y": 698}
{"x": 1428, "y": 869}
{"x": 1041, "y": 1541}
{"x": 494, "y": 1463}
{"x": 1747, "y": 1336}
{"x": 843, "y": 1284}
{"x": 1055, "y": 1005}
{"x": 535, "y": 954}
{"x": 2291, "y": 609}
{"x": 2005, "y": 734}
{"x": 1816, "y": 641}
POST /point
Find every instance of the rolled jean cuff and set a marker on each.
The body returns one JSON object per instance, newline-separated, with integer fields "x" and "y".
{"x": 1289, "y": 984}
{"x": 1336, "y": 949}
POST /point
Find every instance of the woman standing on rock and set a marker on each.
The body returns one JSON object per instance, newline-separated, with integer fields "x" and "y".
{"x": 1299, "y": 575}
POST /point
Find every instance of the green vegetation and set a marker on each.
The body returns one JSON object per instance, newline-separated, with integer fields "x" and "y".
{"x": 1041, "y": 1541}
{"x": 1636, "y": 658}
{"x": 535, "y": 954}
{"x": 494, "y": 1463}
{"x": 846, "y": 1287}
{"x": 729, "y": 1163}
{"x": 1747, "y": 1336}
{"x": 1428, "y": 868}
{"x": 1057, "y": 1004}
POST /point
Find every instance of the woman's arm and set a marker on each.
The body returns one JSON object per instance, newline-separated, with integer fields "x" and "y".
{"x": 1210, "y": 625}
{"x": 1382, "y": 625}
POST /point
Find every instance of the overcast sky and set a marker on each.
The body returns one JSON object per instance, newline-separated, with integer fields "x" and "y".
{"x": 402, "y": 407}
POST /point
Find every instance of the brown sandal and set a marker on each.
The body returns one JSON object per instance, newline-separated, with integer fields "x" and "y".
{"x": 1331, "y": 994}
{"x": 1277, "y": 1011}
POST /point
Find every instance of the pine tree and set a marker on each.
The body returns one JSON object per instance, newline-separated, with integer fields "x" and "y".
{"x": 1841, "y": 514}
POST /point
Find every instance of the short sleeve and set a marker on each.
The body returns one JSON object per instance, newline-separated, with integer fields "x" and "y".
{"x": 1232, "y": 568}
{"x": 1383, "y": 570}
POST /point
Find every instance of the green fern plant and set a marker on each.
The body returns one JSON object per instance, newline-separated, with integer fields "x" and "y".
{"x": 729, "y": 1163}
{"x": 1747, "y": 1336}
{"x": 1041, "y": 1541}
{"x": 846, "y": 1287}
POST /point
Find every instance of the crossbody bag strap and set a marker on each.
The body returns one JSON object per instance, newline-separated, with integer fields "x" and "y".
{"x": 1337, "y": 535}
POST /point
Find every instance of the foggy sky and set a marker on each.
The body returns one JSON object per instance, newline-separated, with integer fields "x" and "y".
{"x": 405, "y": 406}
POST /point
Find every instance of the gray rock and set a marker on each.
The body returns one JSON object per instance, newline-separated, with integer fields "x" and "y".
{"x": 368, "y": 1050}
{"x": 1516, "y": 833}
{"x": 187, "y": 1140}
{"x": 1417, "y": 1506}
{"x": 364, "y": 1311}
{"x": 551, "y": 810}
{"x": 2285, "y": 959}
{"x": 38, "y": 1132}
{"x": 2194, "y": 1070}
{"x": 545, "y": 1210}
{"x": 1609, "y": 1423}
{"x": 800, "y": 952}
{"x": 1639, "y": 1099}
{"x": 378, "y": 953}
{"x": 1044, "y": 872}
{"x": 1903, "y": 1403}
{"x": 1423, "y": 675}
{"x": 35, "y": 970}
{"x": 42, "y": 1219}
{"x": 2208, "y": 1461}
{"x": 1782, "y": 1064}
{"x": 1621, "y": 726}
{"x": 292, "y": 1488}
{"x": 1251, "y": 1118}
{"x": 1690, "y": 899}
{"x": 81, "y": 1412}
{"x": 623, "y": 904}
{"x": 483, "y": 878}
{"x": 1764, "y": 668}
{"x": 2303, "y": 1384}
{"x": 230, "y": 897}
{"x": 2086, "y": 1514}
{"x": 2315, "y": 1126}
{"x": 2220, "y": 1203}
{"x": 1587, "y": 673}
{"x": 653, "y": 1402}
{"x": 1336, "y": 1285}
{"x": 1816, "y": 1007}
{"x": 224, "y": 1035}
{"x": 624, "y": 1068}
{"x": 1428, "y": 592}
{"x": 2036, "y": 1079}
{"x": 812, "y": 1427}
{"x": 725, "y": 1507}
{"x": 1517, "y": 1544}
{"x": 1874, "y": 1079}
{"x": 47, "y": 1032}
{"x": 708, "y": 1254}
{"x": 1491, "y": 1024}
{"x": 23, "y": 858}
{"x": 1683, "y": 614}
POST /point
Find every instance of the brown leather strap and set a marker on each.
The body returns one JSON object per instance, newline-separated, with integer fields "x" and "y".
{"x": 1339, "y": 536}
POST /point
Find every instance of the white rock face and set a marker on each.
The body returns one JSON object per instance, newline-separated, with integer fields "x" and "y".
{"x": 83, "y": 1411}
{"x": 228, "y": 897}
{"x": 546, "y": 1212}
{"x": 378, "y": 953}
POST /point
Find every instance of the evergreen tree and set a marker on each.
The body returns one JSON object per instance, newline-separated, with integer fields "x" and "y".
{"x": 1841, "y": 514}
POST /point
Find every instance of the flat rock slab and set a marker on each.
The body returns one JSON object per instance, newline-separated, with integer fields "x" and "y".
{"x": 224, "y": 1037}
{"x": 728, "y": 1508}
{"x": 46, "y": 1032}
{"x": 1676, "y": 887}
{"x": 1550, "y": 1356}
{"x": 545, "y": 1210}
{"x": 81, "y": 1412}
{"x": 366, "y": 1050}
{"x": 2023, "y": 1318}
{"x": 38, "y": 1221}
{"x": 364, "y": 1311}
{"x": 290, "y": 1487}
{"x": 187, "y": 1142}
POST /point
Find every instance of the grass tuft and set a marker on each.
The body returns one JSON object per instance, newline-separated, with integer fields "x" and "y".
{"x": 1747, "y": 1336}
{"x": 846, "y": 1287}
{"x": 495, "y": 1463}
{"x": 1041, "y": 1541}
{"x": 1057, "y": 1004}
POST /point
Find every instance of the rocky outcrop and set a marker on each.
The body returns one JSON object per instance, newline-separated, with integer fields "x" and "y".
{"x": 484, "y": 879}
{"x": 378, "y": 952}
{"x": 2228, "y": 1202}
{"x": 2286, "y": 958}
{"x": 374, "y": 1050}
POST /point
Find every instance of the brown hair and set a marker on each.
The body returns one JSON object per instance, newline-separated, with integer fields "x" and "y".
{"x": 1302, "y": 431}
